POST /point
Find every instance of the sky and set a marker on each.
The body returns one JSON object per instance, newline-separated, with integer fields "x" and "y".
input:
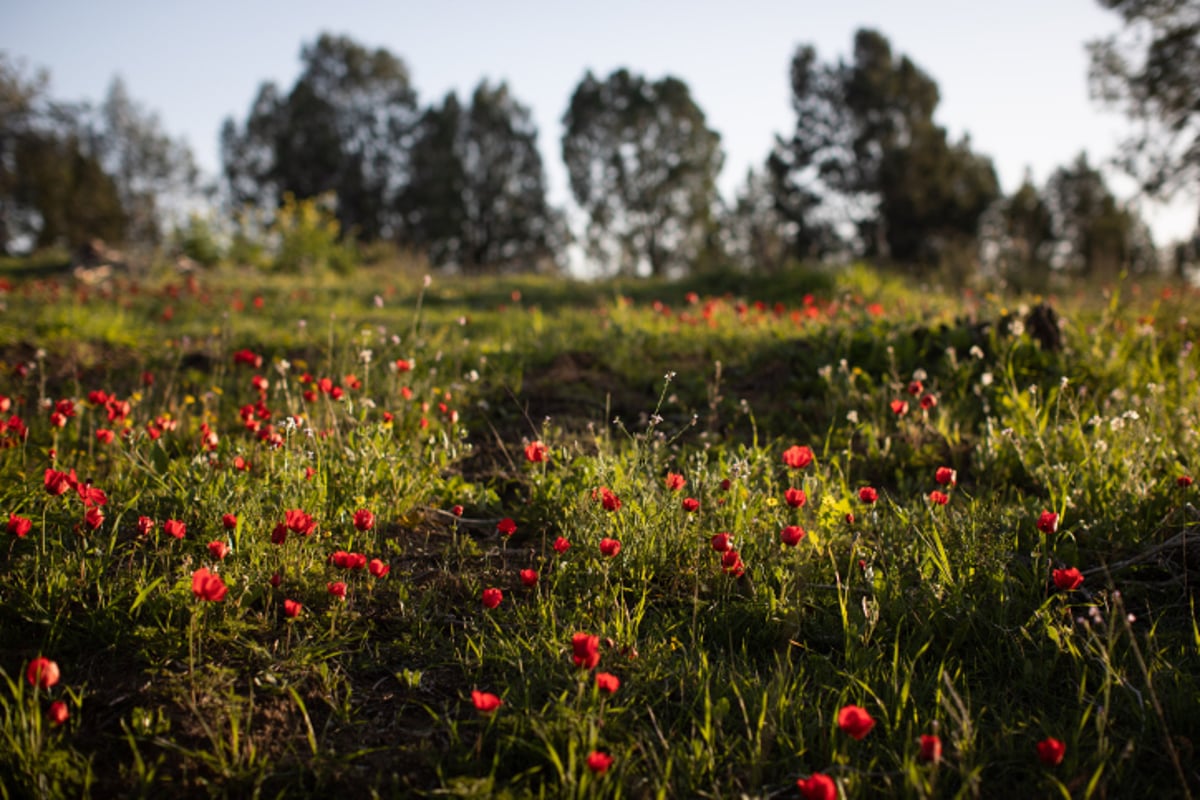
{"x": 1012, "y": 73}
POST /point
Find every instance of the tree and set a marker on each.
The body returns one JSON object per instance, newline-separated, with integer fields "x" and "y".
{"x": 643, "y": 164}
{"x": 757, "y": 236}
{"x": 867, "y": 154}
{"x": 1151, "y": 69}
{"x": 477, "y": 194}
{"x": 344, "y": 127}
{"x": 1021, "y": 234}
{"x": 1096, "y": 236}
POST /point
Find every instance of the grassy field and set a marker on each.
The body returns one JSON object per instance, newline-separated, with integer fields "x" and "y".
{"x": 828, "y": 534}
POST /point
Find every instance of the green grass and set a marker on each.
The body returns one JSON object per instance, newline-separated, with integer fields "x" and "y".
{"x": 935, "y": 619}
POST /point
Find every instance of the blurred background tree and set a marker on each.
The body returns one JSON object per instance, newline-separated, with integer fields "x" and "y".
{"x": 642, "y": 164}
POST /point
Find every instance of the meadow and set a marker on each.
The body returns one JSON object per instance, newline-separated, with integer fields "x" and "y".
{"x": 824, "y": 534}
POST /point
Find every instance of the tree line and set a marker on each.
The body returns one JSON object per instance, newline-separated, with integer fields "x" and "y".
{"x": 865, "y": 171}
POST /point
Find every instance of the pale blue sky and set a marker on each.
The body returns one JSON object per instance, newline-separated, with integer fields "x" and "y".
{"x": 1012, "y": 73}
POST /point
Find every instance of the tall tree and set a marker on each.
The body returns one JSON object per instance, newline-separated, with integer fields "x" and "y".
{"x": 643, "y": 165}
{"x": 1151, "y": 69}
{"x": 866, "y": 150}
{"x": 344, "y": 127}
{"x": 477, "y": 195}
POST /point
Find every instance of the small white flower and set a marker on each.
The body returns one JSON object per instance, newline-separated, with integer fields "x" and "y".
{"x": 919, "y": 375}
{"x": 473, "y": 376}
{"x": 852, "y": 417}
{"x": 365, "y": 356}
{"x": 976, "y": 352}
{"x": 986, "y": 379}
{"x": 378, "y": 301}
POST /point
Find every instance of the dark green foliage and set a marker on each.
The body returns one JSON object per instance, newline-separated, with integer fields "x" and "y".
{"x": 643, "y": 164}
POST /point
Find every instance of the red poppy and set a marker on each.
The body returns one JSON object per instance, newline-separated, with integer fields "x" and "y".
{"x": 1184, "y": 481}
{"x": 57, "y": 483}
{"x": 720, "y": 542}
{"x": 337, "y": 589}
{"x": 855, "y": 721}
{"x": 795, "y": 497}
{"x": 208, "y": 586}
{"x": 364, "y": 520}
{"x": 275, "y": 579}
{"x": 218, "y": 549}
{"x": 175, "y": 528}
{"x": 344, "y": 560}
{"x": 19, "y": 526}
{"x": 939, "y": 497}
{"x": 292, "y": 609}
{"x": 457, "y": 510}
{"x": 931, "y": 748}
{"x": 536, "y": 452}
{"x": 868, "y": 494}
{"x": 817, "y": 786}
{"x": 42, "y": 673}
{"x": 492, "y": 597}
{"x": 929, "y": 402}
{"x": 731, "y": 562}
{"x": 90, "y": 495}
{"x": 1068, "y": 579}
{"x": 279, "y": 534}
{"x": 58, "y": 713}
{"x": 529, "y": 577}
{"x": 1050, "y": 751}
{"x": 1047, "y": 522}
{"x": 506, "y": 527}
{"x": 300, "y": 522}
{"x": 229, "y": 521}
{"x": 675, "y": 481}
{"x": 599, "y": 762}
{"x": 609, "y": 547}
{"x": 403, "y": 365}
{"x": 791, "y": 535}
{"x": 248, "y": 357}
{"x": 691, "y": 504}
{"x": 608, "y": 499}
{"x": 585, "y": 650}
{"x": 798, "y": 456}
{"x": 378, "y": 568}
{"x": 945, "y": 476}
{"x": 915, "y": 388}
{"x": 94, "y": 518}
{"x": 607, "y": 682}
{"x": 145, "y": 526}
{"x": 105, "y": 436}
{"x": 485, "y": 702}
{"x": 899, "y": 407}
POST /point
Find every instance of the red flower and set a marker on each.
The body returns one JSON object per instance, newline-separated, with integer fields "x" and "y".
{"x": 928, "y": 402}
{"x": 561, "y": 545}
{"x": 105, "y": 436}
{"x": 609, "y": 499}
{"x": 798, "y": 456}
{"x": 939, "y": 498}
{"x": 403, "y": 365}
{"x": 791, "y": 535}
{"x": 609, "y": 547}
{"x": 931, "y": 748}
{"x": 145, "y": 526}
{"x": 899, "y": 407}
{"x": 1050, "y": 751}
{"x": 485, "y": 702}
{"x": 868, "y": 495}
{"x": 230, "y": 521}
{"x": 915, "y": 388}
{"x": 337, "y": 589}
{"x": 585, "y": 650}
{"x": 818, "y": 786}
{"x": 174, "y": 527}
{"x": 300, "y": 522}
{"x": 208, "y": 586}
{"x": 1068, "y": 579}
{"x": 218, "y": 549}
{"x": 536, "y": 452}
{"x": 599, "y": 762}
{"x": 292, "y": 609}
{"x": 492, "y": 597}
{"x": 1047, "y": 522}
{"x": 364, "y": 520}
{"x": 57, "y": 713}
{"x": 720, "y": 542}
{"x": 607, "y": 682}
{"x": 42, "y": 673}
{"x": 691, "y": 504}
{"x": 378, "y": 568}
{"x": 945, "y": 476}
{"x": 57, "y": 483}
{"x": 19, "y": 526}
{"x": 275, "y": 579}
{"x": 855, "y": 721}
{"x": 795, "y": 497}
{"x": 529, "y": 577}
{"x": 94, "y": 518}
{"x": 506, "y": 526}
{"x": 344, "y": 560}
{"x": 675, "y": 482}
{"x": 279, "y": 534}
{"x": 731, "y": 562}
{"x": 1184, "y": 481}
{"x": 248, "y": 357}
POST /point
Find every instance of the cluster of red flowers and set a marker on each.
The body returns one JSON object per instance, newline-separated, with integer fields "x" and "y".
{"x": 43, "y": 674}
